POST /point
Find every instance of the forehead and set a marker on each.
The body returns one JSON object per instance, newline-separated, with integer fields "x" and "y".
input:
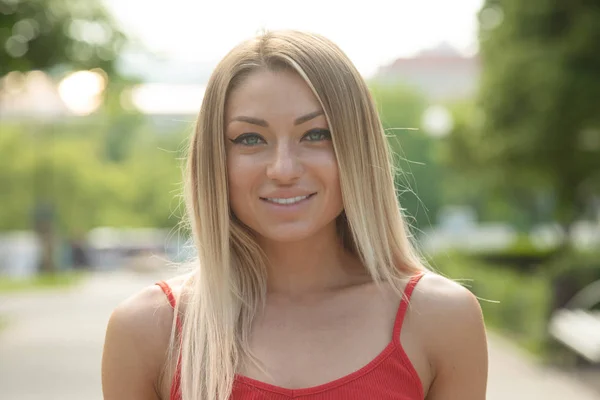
{"x": 266, "y": 93}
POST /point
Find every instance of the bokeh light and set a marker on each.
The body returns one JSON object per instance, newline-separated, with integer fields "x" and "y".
{"x": 82, "y": 91}
{"x": 437, "y": 121}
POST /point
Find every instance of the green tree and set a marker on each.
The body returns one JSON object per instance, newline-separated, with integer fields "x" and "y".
{"x": 56, "y": 36}
{"x": 418, "y": 180}
{"x": 469, "y": 177}
{"x": 539, "y": 93}
{"x": 16, "y": 179}
{"x": 49, "y": 34}
{"x": 88, "y": 189}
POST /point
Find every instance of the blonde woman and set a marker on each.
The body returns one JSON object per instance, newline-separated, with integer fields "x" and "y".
{"x": 306, "y": 284}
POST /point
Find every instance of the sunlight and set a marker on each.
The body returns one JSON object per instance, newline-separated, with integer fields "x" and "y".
{"x": 82, "y": 91}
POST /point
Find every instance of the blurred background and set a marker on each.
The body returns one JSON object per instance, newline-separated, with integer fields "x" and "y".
{"x": 491, "y": 106}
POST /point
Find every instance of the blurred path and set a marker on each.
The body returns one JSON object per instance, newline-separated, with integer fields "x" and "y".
{"x": 513, "y": 375}
{"x": 52, "y": 348}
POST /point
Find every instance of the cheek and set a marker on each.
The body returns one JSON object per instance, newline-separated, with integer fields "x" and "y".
{"x": 326, "y": 163}
{"x": 242, "y": 174}
{"x": 235, "y": 175}
{"x": 326, "y": 170}
{"x": 334, "y": 179}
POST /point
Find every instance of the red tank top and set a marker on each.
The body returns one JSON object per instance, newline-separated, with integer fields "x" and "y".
{"x": 389, "y": 376}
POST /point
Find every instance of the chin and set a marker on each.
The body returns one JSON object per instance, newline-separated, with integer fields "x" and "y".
{"x": 295, "y": 231}
{"x": 287, "y": 233}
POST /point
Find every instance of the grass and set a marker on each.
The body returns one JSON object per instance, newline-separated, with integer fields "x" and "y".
{"x": 58, "y": 280}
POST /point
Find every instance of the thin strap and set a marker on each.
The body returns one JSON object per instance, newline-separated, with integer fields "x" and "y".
{"x": 175, "y": 393}
{"x": 404, "y": 303}
{"x": 171, "y": 297}
{"x": 168, "y": 292}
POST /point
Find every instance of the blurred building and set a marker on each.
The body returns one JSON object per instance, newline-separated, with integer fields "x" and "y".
{"x": 442, "y": 73}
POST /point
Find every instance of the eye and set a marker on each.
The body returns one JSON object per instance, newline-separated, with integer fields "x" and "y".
{"x": 318, "y": 135}
{"x": 248, "y": 139}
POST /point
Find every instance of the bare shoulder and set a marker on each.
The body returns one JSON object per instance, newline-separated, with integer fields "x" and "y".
{"x": 136, "y": 343}
{"x": 441, "y": 307}
{"x": 450, "y": 323}
{"x": 145, "y": 315}
{"x": 447, "y": 300}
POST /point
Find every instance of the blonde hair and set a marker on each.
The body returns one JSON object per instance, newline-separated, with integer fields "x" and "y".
{"x": 229, "y": 284}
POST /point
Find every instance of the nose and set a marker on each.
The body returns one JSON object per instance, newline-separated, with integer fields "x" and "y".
{"x": 285, "y": 166}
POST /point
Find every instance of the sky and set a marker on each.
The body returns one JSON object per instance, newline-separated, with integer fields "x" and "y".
{"x": 372, "y": 33}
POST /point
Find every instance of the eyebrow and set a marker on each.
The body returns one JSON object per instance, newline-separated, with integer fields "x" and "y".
{"x": 263, "y": 123}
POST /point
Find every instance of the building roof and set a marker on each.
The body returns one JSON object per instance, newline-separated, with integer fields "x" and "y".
{"x": 441, "y": 72}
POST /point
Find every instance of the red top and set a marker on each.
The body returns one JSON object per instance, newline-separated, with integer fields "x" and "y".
{"x": 390, "y": 375}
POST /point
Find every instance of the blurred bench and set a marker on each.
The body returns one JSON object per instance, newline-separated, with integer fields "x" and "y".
{"x": 577, "y": 325}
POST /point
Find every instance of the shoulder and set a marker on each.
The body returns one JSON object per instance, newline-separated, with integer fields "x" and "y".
{"x": 144, "y": 315}
{"x": 149, "y": 307}
{"x": 442, "y": 307}
{"x": 450, "y": 323}
{"x": 136, "y": 342}
{"x": 446, "y": 299}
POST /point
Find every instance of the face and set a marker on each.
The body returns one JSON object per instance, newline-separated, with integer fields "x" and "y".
{"x": 282, "y": 169}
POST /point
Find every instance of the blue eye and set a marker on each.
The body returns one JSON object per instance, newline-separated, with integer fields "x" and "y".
{"x": 249, "y": 139}
{"x": 318, "y": 135}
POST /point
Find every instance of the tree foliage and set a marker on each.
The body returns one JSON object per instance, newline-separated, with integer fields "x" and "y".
{"x": 49, "y": 34}
{"x": 539, "y": 94}
{"x": 88, "y": 189}
{"x": 418, "y": 174}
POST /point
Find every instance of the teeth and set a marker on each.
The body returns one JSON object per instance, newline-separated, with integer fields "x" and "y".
{"x": 287, "y": 201}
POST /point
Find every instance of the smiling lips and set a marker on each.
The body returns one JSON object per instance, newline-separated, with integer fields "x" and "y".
{"x": 287, "y": 200}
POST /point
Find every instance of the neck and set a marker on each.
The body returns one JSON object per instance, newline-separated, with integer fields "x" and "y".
{"x": 314, "y": 265}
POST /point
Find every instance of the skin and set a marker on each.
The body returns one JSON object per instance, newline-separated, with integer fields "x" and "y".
{"x": 320, "y": 301}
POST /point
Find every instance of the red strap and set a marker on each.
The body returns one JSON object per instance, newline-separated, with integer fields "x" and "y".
{"x": 176, "y": 383}
{"x": 175, "y": 393}
{"x": 404, "y": 303}
{"x": 169, "y": 293}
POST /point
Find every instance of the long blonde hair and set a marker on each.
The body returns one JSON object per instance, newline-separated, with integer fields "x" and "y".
{"x": 228, "y": 286}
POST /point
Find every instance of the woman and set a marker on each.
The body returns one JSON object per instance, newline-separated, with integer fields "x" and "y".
{"x": 304, "y": 267}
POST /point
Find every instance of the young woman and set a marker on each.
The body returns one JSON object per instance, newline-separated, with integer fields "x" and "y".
{"x": 306, "y": 284}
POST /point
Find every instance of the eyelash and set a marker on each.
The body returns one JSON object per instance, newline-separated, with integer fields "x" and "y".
{"x": 240, "y": 139}
{"x": 324, "y": 132}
